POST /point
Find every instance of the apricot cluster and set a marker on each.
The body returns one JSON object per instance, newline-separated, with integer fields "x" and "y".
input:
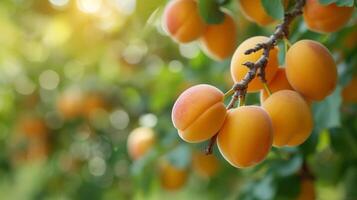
{"x": 182, "y": 21}
{"x": 246, "y": 134}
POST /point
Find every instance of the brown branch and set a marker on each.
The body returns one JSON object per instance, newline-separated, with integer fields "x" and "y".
{"x": 258, "y": 68}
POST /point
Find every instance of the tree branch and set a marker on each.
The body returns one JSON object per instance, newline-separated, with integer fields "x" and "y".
{"x": 258, "y": 68}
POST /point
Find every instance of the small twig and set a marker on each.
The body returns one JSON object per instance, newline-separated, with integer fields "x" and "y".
{"x": 258, "y": 68}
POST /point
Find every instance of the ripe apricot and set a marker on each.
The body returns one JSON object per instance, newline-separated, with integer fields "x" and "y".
{"x": 238, "y": 70}
{"x": 326, "y": 18}
{"x": 140, "y": 141}
{"x": 205, "y": 165}
{"x": 311, "y": 70}
{"x": 219, "y": 40}
{"x": 69, "y": 104}
{"x": 183, "y": 21}
{"x": 246, "y": 136}
{"x": 93, "y": 102}
{"x": 279, "y": 82}
{"x": 32, "y": 127}
{"x": 199, "y": 113}
{"x": 291, "y": 117}
{"x": 254, "y": 11}
{"x": 349, "y": 94}
{"x": 307, "y": 190}
{"x": 172, "y": 177}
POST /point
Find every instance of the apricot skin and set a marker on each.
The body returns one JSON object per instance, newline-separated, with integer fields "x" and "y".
{"x": 326, "y": 18}
{"x": 199, "y": 113}
{"x": 238, "y": 70}
{"x": 183, "y": 21}
{"x": 311, "y": 69}
{"x": 171, "y": 177}
{"x": 291, "y": 117}
{"x": 246, "y": 136}
{"x": 279, "y": 82}
{"x": 140, "y": 141}
{"x": 205, "y": 165}
{"x": 254, "y": 11}
{"x": 219, "y": 40}
{"x": 349, "y": 94}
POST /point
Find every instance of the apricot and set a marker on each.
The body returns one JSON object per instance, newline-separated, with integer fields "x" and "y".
{"x": 140, "y": 141}
{"x": 219, "y": 40}
{"x": 238, "y": 70}
{"x": 205, "y": 165}
{"x": 326, "y": 18}
{"x": 32, "y": 127}
{"x": 172, "y": 177}
{"x": 291, "y": 117}
{"x": 311, "y": 70}
{"x": 279, "y": 82}
{"x": 254, "y": 11}
{"x": 349, "y": 93}
{"x": 93, "y": 102}
{"x": 307, "y": 190}
{"x": 246, "y": 136}
{"x": 199, "y": 113}
{"x": 69, "y": 104}
{"x": 182, "y": 20}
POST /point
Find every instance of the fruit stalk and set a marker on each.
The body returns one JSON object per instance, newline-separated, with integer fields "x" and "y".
{"x": 258, "y": 68}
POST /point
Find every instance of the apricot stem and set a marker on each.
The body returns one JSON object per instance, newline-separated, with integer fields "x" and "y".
{"x": 229, "y": 93}
{"x": 267, "y": 89}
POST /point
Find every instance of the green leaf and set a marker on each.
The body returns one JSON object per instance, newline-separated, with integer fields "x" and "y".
{"x": 210, "y": 11}
{"x": 327, "y": 112}
{"x": 180, "y": 156}
{"x": 340, "y": 3}
{"x": 274, "y": 8}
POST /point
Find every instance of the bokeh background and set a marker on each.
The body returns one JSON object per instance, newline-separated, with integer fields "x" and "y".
{"x": 77, "y": 76}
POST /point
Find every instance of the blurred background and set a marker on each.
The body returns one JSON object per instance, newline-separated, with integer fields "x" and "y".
{"x": 77, "y": 76}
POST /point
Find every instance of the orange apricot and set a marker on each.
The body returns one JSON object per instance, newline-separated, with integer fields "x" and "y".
{"x": 307, "y": 190}
{"x": 349, "y": 93}
{"x": 32, "y": 127}
{"x": 140, "y": 141}
{"x": 199, "y": 113}
{"x": 172, "y": 177}
{"x": 205, "y": 165}
{"x": 183, "y": 21}
{"x": 219, "y": 40}
{"x": 291, "y": 117}
{"x": 311, "y": 69}
{"x": 326, "y": 18}
{"x": 279, "y": 82}
{"x": 93, "y": 102}
{"x": 254, "y": 11}
{"x": 238, "y": 70}
{"x": 69, "y": 104}
{"x": 246, "y": 136}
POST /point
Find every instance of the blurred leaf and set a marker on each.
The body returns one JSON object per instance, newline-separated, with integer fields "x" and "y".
{"x": 348, "y": 3}
{"x": 180, "y": 156}
{"x": 350, "y": 183}
{"x": 274, "y": 8}
{"x": 210, "y": 11}
{"x": 288, "y": 188}
{"x": 327, "y": 112}
{"x": 265, "y": 189}
{"x": 285, "y": 168}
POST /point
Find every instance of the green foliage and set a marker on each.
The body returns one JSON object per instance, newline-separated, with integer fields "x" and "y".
{"x": 210, "y": 11}
{"x": 274, "y": 8}
{"x": 348, "y": 3}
